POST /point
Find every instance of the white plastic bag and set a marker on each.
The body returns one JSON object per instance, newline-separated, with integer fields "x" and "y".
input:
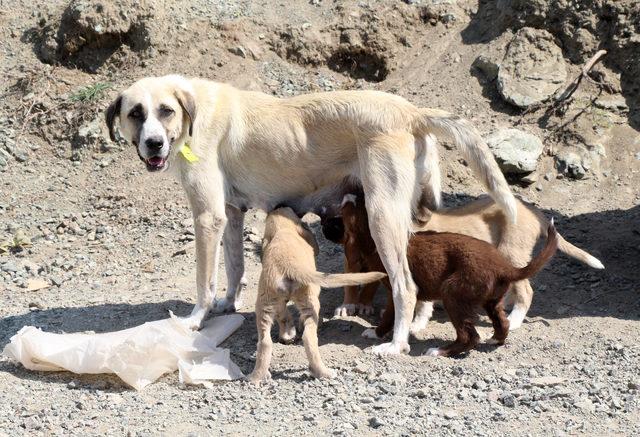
{"x": 137, "y": 355}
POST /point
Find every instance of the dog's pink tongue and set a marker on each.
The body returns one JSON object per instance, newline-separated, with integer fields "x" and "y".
{"x": 156, "y": 160}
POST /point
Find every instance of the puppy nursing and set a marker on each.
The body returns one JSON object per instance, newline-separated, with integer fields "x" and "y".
{"x": 464, "y": 272}
{"x": 481, "y": 219}
{"x": 289, "y": 273}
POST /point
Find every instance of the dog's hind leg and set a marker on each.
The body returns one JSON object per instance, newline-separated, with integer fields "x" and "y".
{"x": 306, "y": 299}
{"x": 428, "y": 173}
{"x": 388, "y": 171}
{"x": 423, "y": 313}
{"x": 264, "y": 320}
{"x": 495, "y": 311}
{"x": 233, "y": 261}
{"x": 522, "y": 295}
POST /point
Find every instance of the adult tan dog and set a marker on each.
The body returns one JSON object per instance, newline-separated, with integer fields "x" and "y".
{"x": 249, "y": 149}
{"x": 289, "y": 274}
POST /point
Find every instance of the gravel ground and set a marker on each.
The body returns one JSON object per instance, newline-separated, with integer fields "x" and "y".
{"x": 115, "y": 247}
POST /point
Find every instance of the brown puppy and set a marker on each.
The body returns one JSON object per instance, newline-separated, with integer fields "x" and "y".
{"x": 481, "y": 219}
{"x": 289, "y": 273}
{"x": 464, "y": 272}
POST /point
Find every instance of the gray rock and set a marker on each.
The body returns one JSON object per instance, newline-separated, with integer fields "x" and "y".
{"x": 532, "y": 70}
{"x": 572, "y": 165}
{"x": 89, "y": 134}
{"x": 488, "y": 66}
{"x": 516, "y": 151}
{"x": 9, "y": 267}
{"x": 376, "y": 422}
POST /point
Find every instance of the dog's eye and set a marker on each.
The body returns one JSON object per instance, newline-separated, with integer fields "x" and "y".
{"x": 166, "y": 111}
{"x": 135, "y": 114}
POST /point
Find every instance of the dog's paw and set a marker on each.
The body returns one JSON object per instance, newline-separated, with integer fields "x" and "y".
{"x": 433, "y": 352}
{"x": 258, "y": 378}
{"x": 365, "y": 310}
{"x": 370, "y": 333}
{"x": 324, "y": 373}
{"x": 224, "y": 305}
{"x": 288, "y": 335}
{"x": 392, "y": 348}
{"x": 417, "y": 326}
{"x": 494, "y": 341}
{"x": 346, "y": 309}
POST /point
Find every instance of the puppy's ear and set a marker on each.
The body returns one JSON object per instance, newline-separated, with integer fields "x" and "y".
{"x": 188, "y": 104}
{"x": 112, "y": 111}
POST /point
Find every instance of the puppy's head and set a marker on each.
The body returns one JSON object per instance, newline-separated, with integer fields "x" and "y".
{"x": 154, "y": 114}
{"x": 286, "y": 218}
{"x": 333, "y": 229}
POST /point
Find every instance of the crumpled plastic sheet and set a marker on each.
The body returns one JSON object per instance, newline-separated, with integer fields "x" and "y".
{"x": 138, "y": 355}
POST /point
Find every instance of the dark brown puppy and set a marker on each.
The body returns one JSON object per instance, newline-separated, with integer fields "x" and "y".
{"x": 464, "y": 272}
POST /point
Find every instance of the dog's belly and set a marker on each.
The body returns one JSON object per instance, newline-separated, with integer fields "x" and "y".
{"x": 320, "y": 196}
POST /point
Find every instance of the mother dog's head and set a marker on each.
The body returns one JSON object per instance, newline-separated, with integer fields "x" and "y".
{"x": 155, "y": 114}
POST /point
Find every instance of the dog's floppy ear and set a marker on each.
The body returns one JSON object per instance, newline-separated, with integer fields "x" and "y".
{"x": 188, "y": 104}
{"x": 112, "y": 111}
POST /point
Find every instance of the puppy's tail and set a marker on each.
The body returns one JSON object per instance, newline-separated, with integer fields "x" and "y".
{"x": 475, "y": 151}
{"x": 541, "y": 259}
{"x": 334, "y": 280}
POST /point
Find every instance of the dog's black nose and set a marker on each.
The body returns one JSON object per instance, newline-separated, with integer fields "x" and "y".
{"x": 154, "y": 143}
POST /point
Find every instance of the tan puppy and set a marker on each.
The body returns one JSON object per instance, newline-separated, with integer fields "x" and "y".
{"x": 289, "y": 274}
{"x": 484, "y": 220}
{"x": 234, "y": 150}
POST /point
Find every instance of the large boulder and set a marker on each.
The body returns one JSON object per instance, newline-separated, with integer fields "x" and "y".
{"x": 516, "y": 151}
{"x": 532, "y": 70}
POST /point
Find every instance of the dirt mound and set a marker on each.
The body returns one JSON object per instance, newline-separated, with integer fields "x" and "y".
{"x": 363, "y": 43}
{"x": 613, "y": 25}
{"x": 88, "y": 33}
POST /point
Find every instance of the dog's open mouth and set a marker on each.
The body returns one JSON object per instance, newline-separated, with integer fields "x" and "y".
{"x": 155, "y": 163}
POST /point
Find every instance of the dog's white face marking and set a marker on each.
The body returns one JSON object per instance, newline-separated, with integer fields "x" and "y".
{"x": 153, "y": 143}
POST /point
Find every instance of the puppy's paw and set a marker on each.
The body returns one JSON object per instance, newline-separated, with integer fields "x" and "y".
{"x": 494, "y": 341}
{"x": 417, "y": 326}
{"x": 365, "y": 310}
{"x": 346, "y": 309}
{"x": 433, "y": 352}
{"x": 224, "y": 305}
{"x": 392, "y": 348}
{"x": 324, "y": 373}
{"x": 288, "y": 335}
{"x": 370, "y": 333}
{"x": 259, "y": 377}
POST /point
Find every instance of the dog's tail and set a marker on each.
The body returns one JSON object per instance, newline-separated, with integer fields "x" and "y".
{"x": 579, "y": 254}
{"x": 541, "y": 259}
{"x": 563, "y": 245}
{"x": 475, "y": 151}
{"x": 334, "y": 280}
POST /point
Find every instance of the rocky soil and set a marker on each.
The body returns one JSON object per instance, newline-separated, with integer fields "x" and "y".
{"x": 90, "y": 242}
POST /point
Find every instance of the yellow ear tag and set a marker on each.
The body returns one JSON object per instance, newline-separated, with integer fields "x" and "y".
{"x": 188, "y": 153}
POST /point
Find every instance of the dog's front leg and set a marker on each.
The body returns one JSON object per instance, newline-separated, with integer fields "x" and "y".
{"x": 207, "y": 205}
{"x": 233, "y": 260}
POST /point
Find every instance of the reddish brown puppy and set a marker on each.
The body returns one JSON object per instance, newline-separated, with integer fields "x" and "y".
{"x": 464, "y": 272}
